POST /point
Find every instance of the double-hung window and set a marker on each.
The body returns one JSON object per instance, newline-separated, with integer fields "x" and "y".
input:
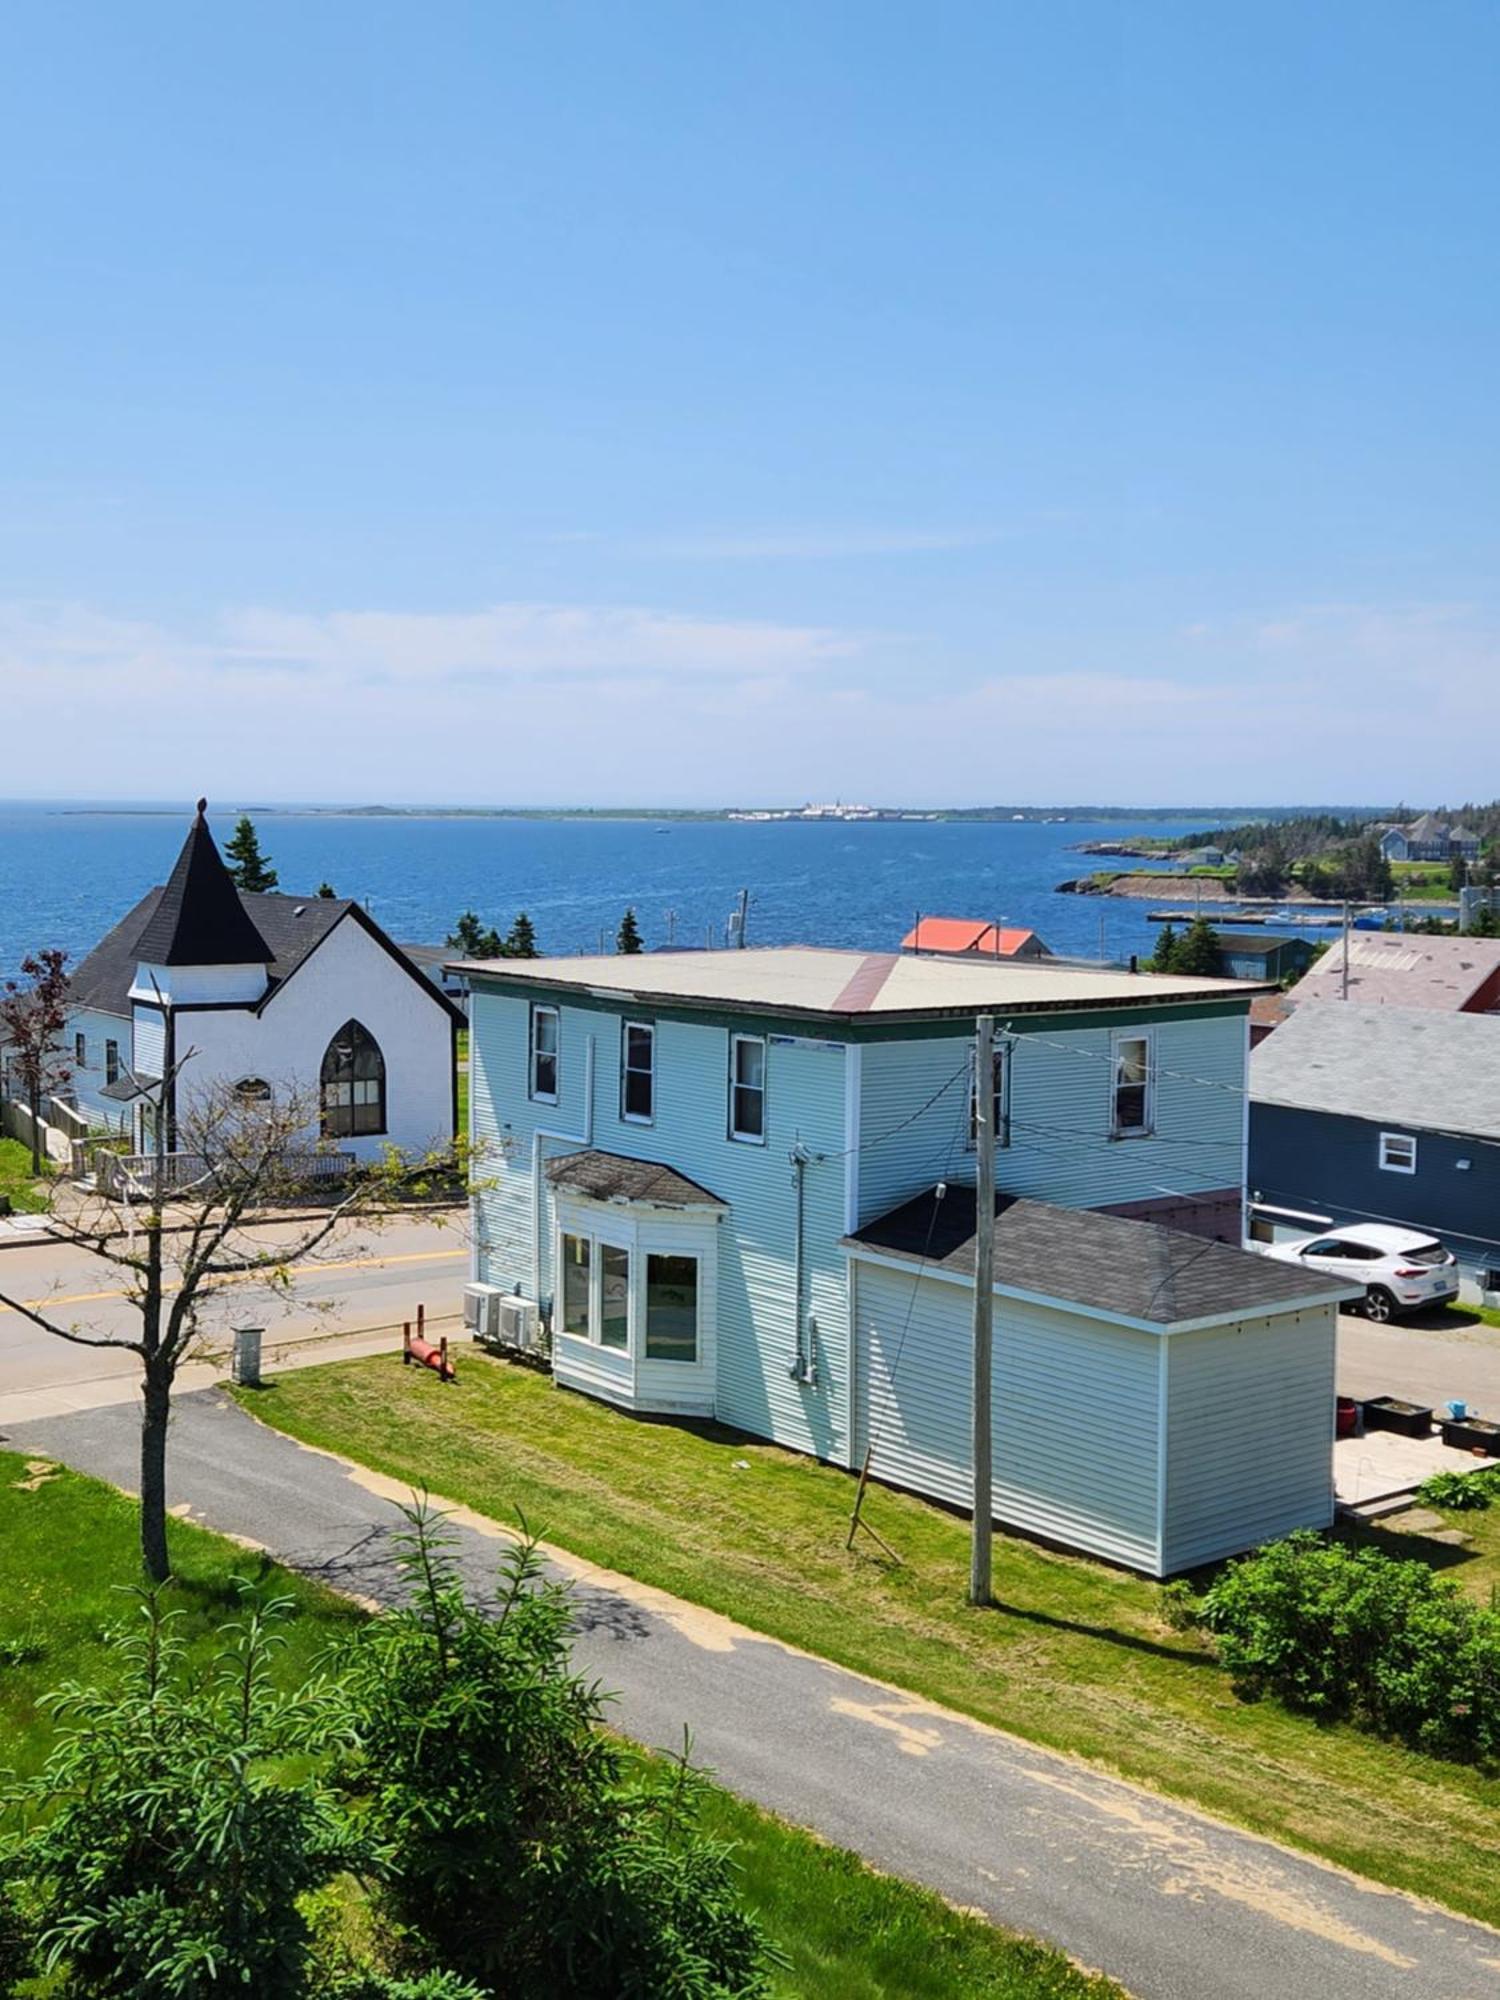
{"x": 1132, "y": 1084}
{"x": 1000, "y": 1099}
{"x": 1398, "y": 1153}
{"x": 81, "y": 1051}
{"x": 638, "y": 1073}
{"x": 111, "y": 1062}
{"x": 747, "y": 1088}
{"x": 545, "y": 1040}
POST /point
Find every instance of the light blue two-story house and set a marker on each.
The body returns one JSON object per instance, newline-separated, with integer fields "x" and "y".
{"x": 739, "y": 1185}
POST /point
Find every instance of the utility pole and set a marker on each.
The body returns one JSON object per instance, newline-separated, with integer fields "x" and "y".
{"x": 984, "y": 1301}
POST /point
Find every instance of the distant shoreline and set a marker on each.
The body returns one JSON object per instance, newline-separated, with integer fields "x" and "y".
{"x": 1055, "y": 815}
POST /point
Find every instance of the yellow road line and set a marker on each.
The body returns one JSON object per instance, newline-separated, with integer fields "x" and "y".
{"x": 249, "y": 1277}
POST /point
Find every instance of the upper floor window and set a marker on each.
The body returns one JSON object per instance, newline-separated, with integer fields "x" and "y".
{"x": 352, "y": 1084}
{"x": 1132, "y": 1086}
{"x": 545, "y": 1040}
{"x": 638, "y": 1073}
{"x": 81, "y": 1051}
{"x": 1398, "y": 1153}
{"x": 1000, "y": 1098}
{"x": 747, "y": 1088}
{"x": 111, "y": 1062}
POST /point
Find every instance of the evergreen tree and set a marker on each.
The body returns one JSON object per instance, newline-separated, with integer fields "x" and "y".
{"x": 521, "y": 940}
{"x": 1197, "y": 952}
{"x": 628, "y": 936}
{"x": 327, "y": 891}
{"x": 471, "y": 937}
{"x": 1165, "y": 954}
{"x": 250, "y": 869}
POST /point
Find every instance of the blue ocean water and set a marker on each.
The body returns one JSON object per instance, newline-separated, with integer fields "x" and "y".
{"x": 67, "y": 873}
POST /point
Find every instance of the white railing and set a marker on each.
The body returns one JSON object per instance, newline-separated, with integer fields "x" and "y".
{"x": 133, "y": 1176}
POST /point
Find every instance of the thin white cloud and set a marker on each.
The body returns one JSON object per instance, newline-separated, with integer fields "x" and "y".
{"x": 815, "y": 544}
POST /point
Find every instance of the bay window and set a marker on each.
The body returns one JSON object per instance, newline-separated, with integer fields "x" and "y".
{"x": 671, "y": 1307}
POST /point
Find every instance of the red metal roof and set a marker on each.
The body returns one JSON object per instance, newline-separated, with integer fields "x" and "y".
{"x": 964, "y": 934}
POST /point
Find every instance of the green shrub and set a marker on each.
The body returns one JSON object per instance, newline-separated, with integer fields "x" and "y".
{"x": 1462, "y": 1492}
{"x": 515, "y": 1849}
{"x": 1354, "y": 1635}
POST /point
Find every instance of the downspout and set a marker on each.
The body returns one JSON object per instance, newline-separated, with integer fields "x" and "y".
{"x": 803, "y": 1368}
{"x": 538, "y": 1136}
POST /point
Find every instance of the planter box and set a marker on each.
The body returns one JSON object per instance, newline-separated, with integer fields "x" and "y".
{"x": 1472, "y": 1434}
{"x": 1389, "y": 1413}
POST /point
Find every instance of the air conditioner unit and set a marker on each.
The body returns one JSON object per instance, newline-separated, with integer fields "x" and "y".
{"x": 482, "y": 1305}
{"x": 518, "y": 1324}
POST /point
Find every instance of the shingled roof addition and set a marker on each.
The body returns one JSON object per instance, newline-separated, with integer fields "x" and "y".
{"x": 614, "y": 1177}
{"x": 1103, "y": 1263}
{"x": 199, "y": 918}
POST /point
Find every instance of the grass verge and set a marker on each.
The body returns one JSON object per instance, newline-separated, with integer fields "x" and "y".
{"x": 843, "y": 1930}
{"x": 1077, "y": 1655}
{"x": 26, "y": 1195}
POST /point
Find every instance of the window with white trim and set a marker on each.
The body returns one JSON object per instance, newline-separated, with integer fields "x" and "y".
{"x": 614, "y": 1296}
{"x": 546, "y": 1036}
{"x": 1132, "y": 1086}
{"x": 577, "y": 1286}
{"x": 81, "y": 1051}
{"x": 671, "y": 1306}
{"x": 111, "y": 1062}
{"x": 1398, "y": 1153}
{"x": 638, "y": 1072}
{"x": 1001, "y": 1099}
{"x": 747, "y": 1089}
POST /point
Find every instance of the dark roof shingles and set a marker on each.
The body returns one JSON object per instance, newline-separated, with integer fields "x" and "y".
{"x": 200, "y": 918}
{"x": 614, "y": 1177}
{"x": 1078, "y": 1256}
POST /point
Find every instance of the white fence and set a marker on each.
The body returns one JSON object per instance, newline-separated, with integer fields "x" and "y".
{"x": 132, "y": 1176}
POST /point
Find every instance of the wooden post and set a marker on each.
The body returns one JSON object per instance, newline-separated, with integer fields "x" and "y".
{"x": 984, "y": 1303}
{"x": 445, "y": 1373}
{"x": 406, "y": 1343}
{"x": 421, "y": 1320}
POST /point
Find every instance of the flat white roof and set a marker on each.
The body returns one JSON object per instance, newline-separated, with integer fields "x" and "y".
{"x": 807, "y": 979}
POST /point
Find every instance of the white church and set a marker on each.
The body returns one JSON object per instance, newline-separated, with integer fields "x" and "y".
{"x": 286, "y": 993}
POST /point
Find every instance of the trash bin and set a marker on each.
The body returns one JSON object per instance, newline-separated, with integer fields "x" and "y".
{"x": 244, "y": 1359}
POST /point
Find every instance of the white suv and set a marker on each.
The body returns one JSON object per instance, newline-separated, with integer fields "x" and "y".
{"x": 1400, "y": 1269}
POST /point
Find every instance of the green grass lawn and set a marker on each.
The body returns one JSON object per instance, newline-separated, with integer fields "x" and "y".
{"x": 26, "y": 1196}
{"x": 844, "y": 1931}
{"x": 1078, "y": 1655}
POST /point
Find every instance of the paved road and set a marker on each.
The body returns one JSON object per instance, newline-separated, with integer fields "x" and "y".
{"x": 366, "y": 1275}
{"x": 1176, "y": 1906}
{"x": 1431, "y": 1359}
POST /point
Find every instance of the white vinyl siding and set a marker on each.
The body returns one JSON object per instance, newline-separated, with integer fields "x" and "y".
{"x": 1249, "y": 1435}
{"x": 1154, "y": 1449}
{"x": 1059, "y": 1105}
{"x": 1075, "y": 1411}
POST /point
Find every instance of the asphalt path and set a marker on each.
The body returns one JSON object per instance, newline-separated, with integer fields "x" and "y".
{"x": 1175, "y": 1905}
{"x": 1434, "y": 1357}
{"x": 368, "y": 1274}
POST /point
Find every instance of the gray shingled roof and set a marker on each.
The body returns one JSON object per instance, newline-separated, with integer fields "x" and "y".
{"x": 613, "y": 1177}
{"x": 1104, "y": 1263}
{"x": 1408, "y": 1066}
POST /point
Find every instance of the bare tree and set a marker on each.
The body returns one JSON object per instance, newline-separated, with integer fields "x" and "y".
{"x": 187, "y": 1227}
{"x": 33, "y": 1020}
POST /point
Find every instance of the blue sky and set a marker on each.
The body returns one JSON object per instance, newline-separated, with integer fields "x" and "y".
{"x": 680, "y": 403}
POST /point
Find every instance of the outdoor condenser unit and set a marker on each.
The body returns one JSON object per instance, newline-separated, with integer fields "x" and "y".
{"x": 518, "y": 1323}
{"x": 482, "y": 1304}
